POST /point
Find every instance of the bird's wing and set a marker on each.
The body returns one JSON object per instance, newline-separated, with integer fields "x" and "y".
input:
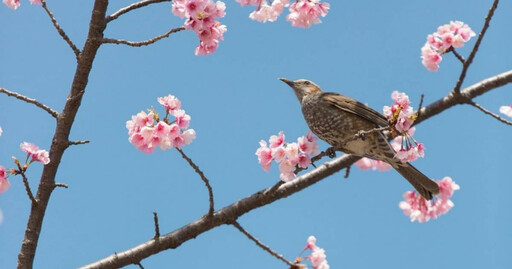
{"x": 352, "y": 106}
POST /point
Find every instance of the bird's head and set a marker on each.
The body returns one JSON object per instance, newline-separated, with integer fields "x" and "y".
{"x": 302, "y": 87}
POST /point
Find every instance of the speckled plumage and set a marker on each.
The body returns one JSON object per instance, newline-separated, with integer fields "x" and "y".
{"x": 336, "y": 119}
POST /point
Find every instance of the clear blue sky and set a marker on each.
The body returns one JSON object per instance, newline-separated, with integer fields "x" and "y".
{"x": 363, "y": 49}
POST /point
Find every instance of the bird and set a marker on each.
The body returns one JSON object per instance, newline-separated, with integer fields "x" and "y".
{"x": 337, "y": 119}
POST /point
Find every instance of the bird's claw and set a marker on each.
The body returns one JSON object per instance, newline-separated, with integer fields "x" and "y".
{"x": 361, "y": 135}
{"x": 331, "y": 152}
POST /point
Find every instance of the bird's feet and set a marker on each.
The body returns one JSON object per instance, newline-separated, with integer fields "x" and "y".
{"x": 331, "y": 152}
{"x": 361, "y": 135}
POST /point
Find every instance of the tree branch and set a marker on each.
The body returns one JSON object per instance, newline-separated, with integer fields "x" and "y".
{"x": 131, "y": 7}
{"x": 261, "y": 245}
{"x": 280, "y": 190}
{"x": 61, "y": 32}
{"x": 16, "y": 95}
{"x": 79, "y": 142}
{"x": 483, "y": 109}
{"x": 468, "y": 62}
{"x": 157, "y": 227}
{"x": 203, "y": 177}
{"x": 61, "y": 137}
{"x": 142, "y": 43}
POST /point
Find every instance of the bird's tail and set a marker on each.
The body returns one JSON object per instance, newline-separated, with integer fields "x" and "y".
{"x": 424, "y": 185}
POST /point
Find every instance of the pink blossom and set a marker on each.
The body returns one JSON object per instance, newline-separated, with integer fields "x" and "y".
{"x": 311, "y": 243}
{"x": 303, "y": 13}
{"x": 308, "y": 144}
{"x": 182, "y": 119}
{"x": 369, "y": 164}
{"x": 317, "y": 257}
{"x": 35, "y": 2}
{"x": 189, "y": 136}
{"x": 37, "y": 155}
{"x": 286, "y": 168}
{"x": 266, "y": 12}
{"x": 400, "y": 99}
{"x": 452, "y": 35}
{"x": 13, "y": 4}
{"x": 276, "y": 140}
{"x": 4, "y": 183}
{"x": 278, "y": 154}
{"x": 404, "y": 121}
{"x": 201, "y": 18}
{"x": 264, "y": 154}
{"x": 249, "y": 2}
{"x": 170, "y": 102}
{"x": 1, "y": 131}
{"x": 304, "y": 160}
{"x": 507, "y": 110}
{"x": 421, "y": 210}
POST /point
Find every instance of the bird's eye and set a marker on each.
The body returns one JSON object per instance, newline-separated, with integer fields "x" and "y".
{"x": 307, "y": 82}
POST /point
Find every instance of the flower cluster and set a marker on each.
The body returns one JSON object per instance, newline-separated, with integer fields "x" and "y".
{"x": 507, "y": 110}
{"x": 421, "y": 210}
{"x": 303, "y": 13}
{"x": 366, "y": 163}
{"x": 201, "y": 15}
{"x": 317, "y": 257}
{"x": 15, "y": 4}
{"x": 36, "y": 154}
{"x": 401, "y": 116}
{"x": 288, "y": 155}
{"x": 447, "y": 37}
{"x": 4, "y": 183}
{"x": 146, "y": 131}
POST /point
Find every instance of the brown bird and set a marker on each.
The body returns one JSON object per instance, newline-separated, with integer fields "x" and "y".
{"x": 336, "y": 119}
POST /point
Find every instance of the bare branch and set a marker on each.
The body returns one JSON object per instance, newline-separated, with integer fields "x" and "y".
{"x": 483, "y": 109}
{"x": 347, "y": 172}
{"x": 140, "y": 265}
{"x": 131, "y": 7}
{"x": 203, "y": 177}
{"x": 79, "y": 142}
{"x": 61, "y": 32}
{"x": 16, "y": 95}
{"x": 27, "y": 187}
{"x": 157, "y": 228}
{"x": 142, "y": 43}
{"x": 280, "y": 190}
{"x": 261, "y": 245}
{"x": 468, "y": 62}
{"x": 61, "y": 185}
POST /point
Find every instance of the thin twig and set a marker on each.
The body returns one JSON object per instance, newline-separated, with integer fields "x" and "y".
{"x": 494, "y": 115}
{"x": 61, "y": 185}
{"x": 21, "y": 171}
{"x": 157, "y": 227}
{"x": 203, "y": 177}
{"x": 468, "y": 62}
{"x": 461, "y": 59}
{"x": 142, "y": 43}
{"x": 79, "y": 142}
{"x": 140, "y": 265}
{"x": 261, "y": 245}
{"x": 420, "y": 106}
{"x": 131, "y": 7}
{"x": 61, "y": 32}
{"x": 16, "y": 95}
{"x": 347, "y": 171}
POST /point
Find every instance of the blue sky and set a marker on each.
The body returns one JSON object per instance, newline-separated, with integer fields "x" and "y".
{"x": 363, "y": 49}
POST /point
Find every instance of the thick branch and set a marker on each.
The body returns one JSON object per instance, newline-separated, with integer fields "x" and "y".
{"x": 61, "y": 32}
{"x": 261, "y": 245}
{"x": 468, "y": 62}
{"x": 131, "y": 7}
{"x": 145, "y": 42}
{"x": 203, "y": 178}
{"x": 61, "y": 137}
{"x": 16, "y": 95}
{"x": 230, "y": 213}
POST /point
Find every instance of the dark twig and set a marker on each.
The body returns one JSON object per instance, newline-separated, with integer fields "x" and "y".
{"x": 61, "y": 185}
{"x": 461, "y": 59}
{"x": 21, "y": 171}
{"x": 132, "y": 7}
{"x": 347, "y": 171}
{"x": 142, "y": 43}
{"x": 468, "y": 62}
{"x": 203, "y": 177}
{"x": 420, "y": 105}
{"x": 494, "y": 115}
{"x": 261, "y": 245}
{"x": 16, "y": 95}
{"x": 79, "y": 142}
{"x": 61, "y": 32}
{"x": 140, "y": 265}
{"x": 157, "y": 227}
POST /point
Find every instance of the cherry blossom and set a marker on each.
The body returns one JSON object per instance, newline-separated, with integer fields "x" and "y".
{"x": 287, "y": 155}
{"x": 146, "y": 136}
{"x": 307, "y": 12}
{"x": 448, "y": 36}
{"x": 317, "y": 257}
{"x": 201, "y": 18}
{"x": 421, "y": 210}
{"x": 4, "y": 183}
{"x": 15, "y": 4}
{"x": 507, "y": 110}
{"x": 33, "y": 151}
{"x": 370, "y": 164}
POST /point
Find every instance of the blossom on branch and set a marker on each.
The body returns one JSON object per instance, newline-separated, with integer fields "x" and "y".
{"x": 447, "y": 37}
{"x": 201, "y": 18}
{"x": 421, "y": 210}
{"x": 287, "y": 155}
{"x": 507, "y": 110}
{"x": 146, "y": 131}
{"x": 15, "y": 4}
{"x": 317, "y": 257}
{"x": 36, "y": 154}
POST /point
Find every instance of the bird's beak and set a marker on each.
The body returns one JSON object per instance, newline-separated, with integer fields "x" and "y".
{"x": 289, "y": 82}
